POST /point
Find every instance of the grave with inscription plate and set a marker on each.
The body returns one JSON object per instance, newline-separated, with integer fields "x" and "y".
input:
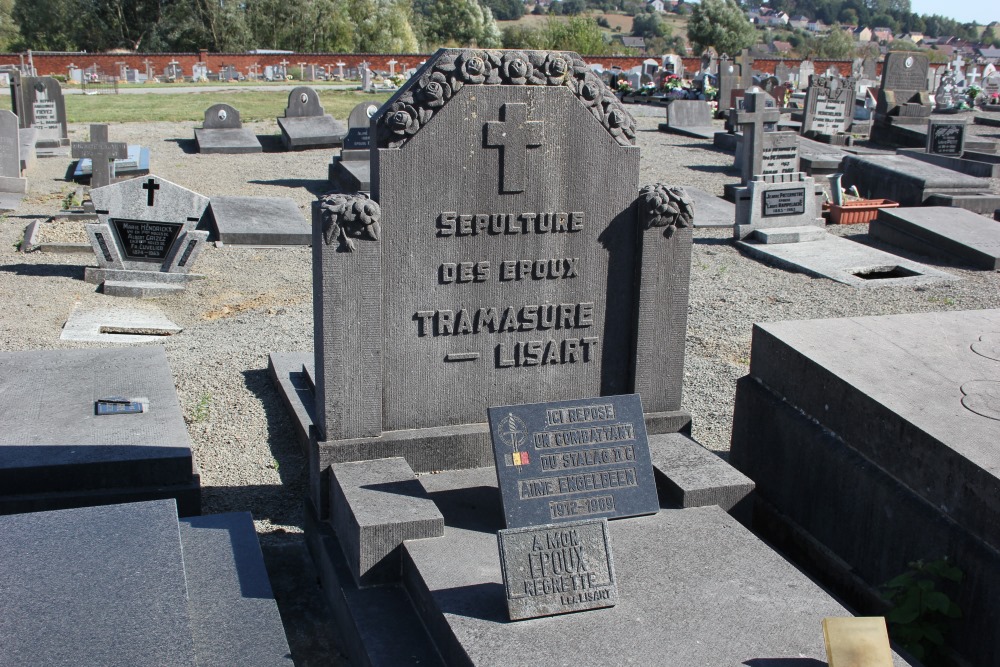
{"x": 92, "y": 427}
{"x": 351, "y": 170}
{"x": 145, "y": 239}
{"x": 507, "y": 255}
{"x": 39, "y": 104}
{"x": 568, "y": 460}
{"x": 306, "y": 125}
{"x": 223, "y": 132}
{"x": 908, "y": 472}
{"x": 829, "y": 109}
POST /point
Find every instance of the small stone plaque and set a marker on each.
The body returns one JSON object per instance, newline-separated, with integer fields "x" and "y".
{"x": 557, "y": 568}
{"x": 143, "y": 240}
{"x": 784, "y": 202}
{"x": 565, "y": 460}
{"x": 118, "y": 405}
{"x": 946, "y": 138}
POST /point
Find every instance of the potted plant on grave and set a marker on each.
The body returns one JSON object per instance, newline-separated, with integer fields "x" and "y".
{"x": 853, "y": 209}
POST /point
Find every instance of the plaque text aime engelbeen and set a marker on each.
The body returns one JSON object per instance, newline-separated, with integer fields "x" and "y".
{"x": 512, "y": 318}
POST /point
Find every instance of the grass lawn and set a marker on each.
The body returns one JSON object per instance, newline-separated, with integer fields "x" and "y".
{"x": 252, "y": 105}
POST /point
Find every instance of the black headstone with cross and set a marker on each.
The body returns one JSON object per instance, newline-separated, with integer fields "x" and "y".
{"x": 146, "y": 239}
{"x": 102, "y": 154}
{"x": 754, "y": 119}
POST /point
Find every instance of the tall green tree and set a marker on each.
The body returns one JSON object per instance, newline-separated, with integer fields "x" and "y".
{"x": 47, "y": 25}
{"x": 217, "y": 25}
{"x": 720, "y": 24}
{"x": 836, "y": 45}
{"x": 455, "y": 23}
{"x": 9, "y": 34}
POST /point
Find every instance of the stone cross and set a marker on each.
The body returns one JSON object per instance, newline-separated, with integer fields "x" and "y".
{"x": 122, "y": 70}
{"x": 149, "y": 68}
{"x": 514, "y": 134}
{"x": 340, "y": 69}
{"x": 392, "y": 67}
{"x": 102, "y": 154}
{"x": 745, "y": 61}
{"x": 972, "y": 76}
{"x": 752, "y": 120}
{"x": 958, "y": 66}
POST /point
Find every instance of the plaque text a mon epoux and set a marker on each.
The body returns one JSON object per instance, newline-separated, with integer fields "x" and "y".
{"x": 563, "y": 317}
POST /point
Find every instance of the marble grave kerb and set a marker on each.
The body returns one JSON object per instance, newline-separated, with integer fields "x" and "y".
{"x": 516, "y": 275}
{"x": 145, "y": 239}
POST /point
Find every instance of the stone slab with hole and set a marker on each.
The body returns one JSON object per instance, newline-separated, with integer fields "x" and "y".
{"x": 844, "y": 261}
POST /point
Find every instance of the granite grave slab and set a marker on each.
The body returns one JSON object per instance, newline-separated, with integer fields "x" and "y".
{"x": 906, "y": 180}
{"x": 971, "y": 163}
{"x": 567, "y": 460}
{"x": 145, "y": 239}
{"x": 222, "y": 132}
{"x": 117, "y": 324}
{"x": 955, "y": 235}
{"x": 710, "y": 210}
{"x": 557, "y": 568}
{"x": 258, "y": 221}
{"x": 844, "y": 261}
{"x": 55, "y": 450}
{"x": 906, "y": 470}
{"x": 306, "y": 125}
{"x": 691, "y": 118}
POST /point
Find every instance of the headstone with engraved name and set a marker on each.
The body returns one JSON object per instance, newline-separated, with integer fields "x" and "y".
{"x": 903, "y": 92}
{"x": 806, "y": 70}
{"x": 223, "y": 132}
{"x": 946, "y": 137}
{"x": 306, "y": 125}
{"x": 39, "y": 103}
{"x": 102, "y": 154}
{"x": 829, "y": 108}
{"x": 569, "y": 460}
{"x": 145, "y": 239}
{"x": 557, "y": 568}
{"x": 351, "y": 170}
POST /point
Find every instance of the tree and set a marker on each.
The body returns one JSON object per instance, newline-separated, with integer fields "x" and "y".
{"x": 505, "y": 10}
{"x": 455, "y": 23}
{"x": 579, "y": 34}
{"x": 383, "y": 26}
{"x": 9, "y": 34}
{"x": 720, "y": 24}
{"x": 47, "y": 25}
{"x": 836, "y": 45}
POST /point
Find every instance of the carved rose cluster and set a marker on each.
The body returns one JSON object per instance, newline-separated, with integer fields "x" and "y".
{"x": 663, "y": 206}
{"x": 347, "y": 217}
{"x": 456, "y": 68}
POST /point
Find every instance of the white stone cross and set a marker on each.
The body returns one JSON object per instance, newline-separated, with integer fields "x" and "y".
{"x": 972, "y": 76}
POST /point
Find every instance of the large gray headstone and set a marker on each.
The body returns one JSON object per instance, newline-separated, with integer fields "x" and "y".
{"x": 146, "y": 235}
{"x": 10, "y": 155}
{"x": 508, "y": 278}
{"x": 303, "y": 102}
{"x": 829, "y": 107}
{"x": 223, "y": 132}
{"x": 222, "y": 116}
{"x": 39, "y": 103}
{"x": 903, "y": 89}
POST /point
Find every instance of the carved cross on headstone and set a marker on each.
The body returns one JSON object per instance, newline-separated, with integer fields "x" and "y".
{"x": 972, "y": 76}
{"x": 958, "y": 66}
{"x": 514, "y": 134}
{"x": 150, "y": 186}
{"x": 752, "y": 120}
{"x": 102, "y": 154}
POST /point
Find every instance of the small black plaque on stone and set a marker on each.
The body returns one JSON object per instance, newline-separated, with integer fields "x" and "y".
{"x": 358, "y": 138}
{"x": 566, "y": 460}
{"x": 557, "y": 568}
{"x": 144, "y": 240}
{"x": 784, "y": 202}
{"x": 117, "y": 405}
{"x": 947, "y": 138}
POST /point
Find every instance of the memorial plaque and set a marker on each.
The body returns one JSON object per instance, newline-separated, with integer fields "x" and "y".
{"x": 118, "y": 405}
{"x": 784, "y": 202}
{"x": 565, "y": 460}
{"x": 946, "y": 138}
{"x": 779, "y": 153}
{"x": 557, "y": 568}
{"x": 146, "y": 241}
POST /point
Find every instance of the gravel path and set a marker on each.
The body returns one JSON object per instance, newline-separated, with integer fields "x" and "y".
{"x": 254, "y": 301}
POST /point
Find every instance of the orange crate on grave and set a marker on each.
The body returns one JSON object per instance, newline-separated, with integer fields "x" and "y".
{"x": 857, "y": 212}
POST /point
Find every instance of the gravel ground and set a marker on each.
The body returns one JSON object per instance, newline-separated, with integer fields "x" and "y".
{"x": 254, "y": 301}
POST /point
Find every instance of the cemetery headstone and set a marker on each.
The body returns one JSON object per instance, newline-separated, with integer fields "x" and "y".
{"x": 946, "y": 137}
{"x": 829, "y": 109}
{"x": 946, "y": 95}
{"x": 145, "y": 238}
{"x": 12, "y": 185}
{"x": 782, "y": 71}
{"x": 223, "y": 132}
{"x": 39, "y": 104}
{"x": 902, "y": 93}
{"x": 806, "y": 70}
{"x": 101, "y": 153}
{"x": 744, "y": 64}
{"x": 351, "y": 170}
{"x": 557, "y": 568}
{"x": 306, "y": 125}
{"x": 691, "y": 118}
{"x": 729, "y": 80}
{"x": 762, "y": 154}
{"x": 568, "y": 460}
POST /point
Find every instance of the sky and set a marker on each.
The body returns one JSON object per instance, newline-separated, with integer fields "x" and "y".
{"x": 963, "y": 11}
